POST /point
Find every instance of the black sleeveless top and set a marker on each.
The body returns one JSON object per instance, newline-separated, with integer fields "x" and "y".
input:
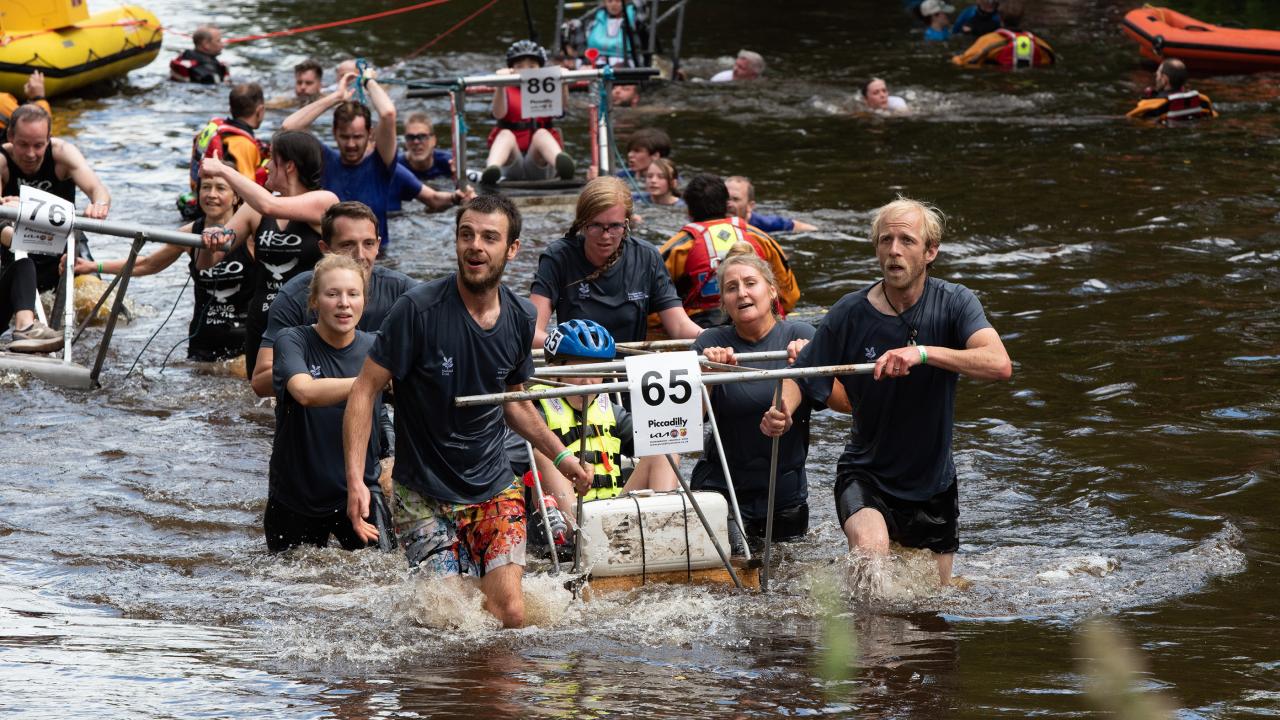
{"x": 222, "y": 295}
{"x": 44, "y": 178}
{"x": 279, "y": 255}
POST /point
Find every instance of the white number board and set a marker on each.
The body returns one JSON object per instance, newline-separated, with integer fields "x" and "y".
{"x": 666, "y": 402}
{"x": 540, "y": 94}
{"x": 44, "y": 222}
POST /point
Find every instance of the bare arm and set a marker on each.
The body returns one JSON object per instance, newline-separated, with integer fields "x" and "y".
{"x": 527, "y": 422}
{"x": 500, "y": 95}
{"x": 439, "y": 200}
{"x": 678, "y": 325}
{"x": 983, "y": 358}
{"x": 542, "y": 304}
{"x": 384, "y": 136}
{"x": 319, "y": 392}
{"x": 239, "y": 229}
{"x": 802, "y": 226}
{"x": 308, "y": 207}
{"x": 302, "y": 118}
{"x": 261, "y": 380}
{"x": 145, "y": 264}
{"x": 357, "y": 423}
{"x": 66, "y": 155}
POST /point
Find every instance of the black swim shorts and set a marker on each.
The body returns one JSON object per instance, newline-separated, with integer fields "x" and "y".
{"x": 932, "y": 523}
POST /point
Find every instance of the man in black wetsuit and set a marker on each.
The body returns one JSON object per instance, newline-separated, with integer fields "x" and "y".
{"x": 200, "y": 64}
{"x": 896, "y": 479}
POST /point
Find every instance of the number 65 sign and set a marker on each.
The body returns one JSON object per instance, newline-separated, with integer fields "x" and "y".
{"x": 666, "y": 402}
{"x": 44, "y": 222}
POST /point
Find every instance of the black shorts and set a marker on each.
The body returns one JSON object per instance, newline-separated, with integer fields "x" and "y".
{"x": 788, "y": 523}
{"x": 286, "y": 529}
{"x": 933, "y": 524}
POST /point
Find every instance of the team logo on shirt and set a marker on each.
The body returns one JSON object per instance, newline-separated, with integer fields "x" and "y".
{"x": 315, "y": 371}
{"x": 446, "y": 366}
{"x": 584, "y": 291}
{"x": 638, "y": 296}
{"x": 871, "y": 352}
{"x": 37, "y": 184}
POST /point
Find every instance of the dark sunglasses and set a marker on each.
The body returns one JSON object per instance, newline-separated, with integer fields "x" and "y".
{"x": 417, "y": 137}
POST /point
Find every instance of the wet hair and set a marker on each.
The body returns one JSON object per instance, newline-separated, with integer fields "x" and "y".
{"x": 304, "y": 151}
{"x": 651, "y": 140}
{"x": 29, "y": 113}
{"x": 490, "y": 204}
{"x": 353, "y": 209}
{"x": 743, "y": 254}
{"x": 932, "y": 220}
{"x": 751, "y": 189}
{"x": 246, "y": 98}
{"x": 348, "y": 111}
{"x": 202, "y": 35}
{"x": 597, "y": 196}
{"x": 1176, "y": 71}
{"x": 707, "y": 197}
{"x": 866, "y": 86}
{"x": 309, "y": 65}
{"x": 328, "y": 264}
{"x": 670, "y": 172}
{"x": 755, "y": 59}
{"x": 418, "y": 118}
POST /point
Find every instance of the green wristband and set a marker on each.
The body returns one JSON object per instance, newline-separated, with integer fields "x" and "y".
{"x": 99, "y": 267}
{"x": 563, "y": 454}
{"x": 924, "y": 356}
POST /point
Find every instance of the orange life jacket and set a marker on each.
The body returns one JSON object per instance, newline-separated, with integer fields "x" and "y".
{"x": 711, "y": 242}
{"x": 1008, "y": 49}
{"x": 1175, "y": 107}
{"x": 209, "y": 142}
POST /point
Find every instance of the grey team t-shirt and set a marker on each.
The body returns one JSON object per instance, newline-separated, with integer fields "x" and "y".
{"x": 436, "y": 352}
{"x": 289, "y": 309}
{"x": 621, "y": 299}
{"x": 900, "y": 440}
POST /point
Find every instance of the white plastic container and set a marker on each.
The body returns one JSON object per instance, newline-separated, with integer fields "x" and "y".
{"x": 613, "y": 542}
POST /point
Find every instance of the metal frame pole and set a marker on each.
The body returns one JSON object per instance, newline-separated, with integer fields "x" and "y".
{"x": 69, "y": 305}
{"x": 706, "y": 524}
{"x": 537, "y": 496}
{"x": 457, "y": 101}
{"x": 773, "y": 486}
{"x": 96, "y": 307}
{"x": 724, "y": 466}
{"x": 125, "y": 273}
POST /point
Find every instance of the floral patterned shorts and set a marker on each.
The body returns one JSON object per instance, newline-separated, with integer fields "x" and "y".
{"x": 444, "y": 538}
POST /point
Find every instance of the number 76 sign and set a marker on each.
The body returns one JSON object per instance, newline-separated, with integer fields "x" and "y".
{"x": 44, "y": 222}
{"x": 666, "y": 402}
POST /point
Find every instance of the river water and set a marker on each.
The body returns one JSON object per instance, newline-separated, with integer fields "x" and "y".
{"x": 1128, "y": 470}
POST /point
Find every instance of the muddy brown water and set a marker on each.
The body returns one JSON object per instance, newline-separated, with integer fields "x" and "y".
{"x": 1128, "y": 470}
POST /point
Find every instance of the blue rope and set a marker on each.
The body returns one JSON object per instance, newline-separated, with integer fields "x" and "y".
{"x": 361, "y": 66}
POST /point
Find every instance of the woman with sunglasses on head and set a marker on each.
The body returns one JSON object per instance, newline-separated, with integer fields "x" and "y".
{"x": 597, "y": 271}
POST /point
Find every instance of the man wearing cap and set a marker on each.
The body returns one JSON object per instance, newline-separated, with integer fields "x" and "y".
{"x": 937, "y": 14}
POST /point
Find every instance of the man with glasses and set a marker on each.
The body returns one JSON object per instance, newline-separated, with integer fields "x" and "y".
{"x": 421, "y": 156}
{"x": 693, "y": 254}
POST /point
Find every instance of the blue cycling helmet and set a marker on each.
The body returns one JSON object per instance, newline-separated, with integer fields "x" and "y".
{"x": 579, "y": 339}
{"x": 526, "y": 49}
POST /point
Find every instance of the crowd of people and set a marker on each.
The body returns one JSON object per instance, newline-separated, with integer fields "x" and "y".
{"x": 289, "y": 277}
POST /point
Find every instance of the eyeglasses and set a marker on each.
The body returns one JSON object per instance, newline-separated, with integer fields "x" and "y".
{"x": 597, "y": 229}
{"x": 417, "y": 137}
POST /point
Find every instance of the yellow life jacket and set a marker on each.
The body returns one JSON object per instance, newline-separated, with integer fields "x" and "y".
{"x": 604, "y": 447}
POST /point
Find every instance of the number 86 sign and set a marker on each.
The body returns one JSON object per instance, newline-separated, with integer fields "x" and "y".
{"x": 44, "y": 222}
{"x": 666, "y": 402}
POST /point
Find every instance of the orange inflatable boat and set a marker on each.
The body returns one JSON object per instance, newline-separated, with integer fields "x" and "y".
{"x": 1162, "y": 33}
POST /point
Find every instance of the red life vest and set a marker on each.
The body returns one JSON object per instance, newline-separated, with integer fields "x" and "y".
{"x": 520, "y": 125}
{"x": 711, "y": 241}
{"x": 1185, "y": 105}
{"x": 1023, "y": 50}
{"x": 209, "y": 143}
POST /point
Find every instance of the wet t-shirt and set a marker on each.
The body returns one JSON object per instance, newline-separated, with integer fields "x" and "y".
{"x": 222, "y": 294}
{"x": 368, "y": 181}
{"x": 738, "y": 408}
{"x": 307, "y": 466}
{"x": 901, "y": 434}
{"x": 436, "y": 352}
{"x": 281, "y": 254}
{"x": 289, "y": 309}
{"x": 621, "y": 299}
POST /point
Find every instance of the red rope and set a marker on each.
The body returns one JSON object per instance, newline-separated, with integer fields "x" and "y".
{"x": 446, "y": 33}
{"x": 336, "y": 23}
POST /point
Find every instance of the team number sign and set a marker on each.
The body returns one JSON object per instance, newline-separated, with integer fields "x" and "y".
{"x": 540, "y": 95}
{"x": 666, "y": 402}
{"x": 44, "y": 222}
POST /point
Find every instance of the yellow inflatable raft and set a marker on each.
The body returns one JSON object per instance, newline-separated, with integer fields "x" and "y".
{"x": 71, "y": 47}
